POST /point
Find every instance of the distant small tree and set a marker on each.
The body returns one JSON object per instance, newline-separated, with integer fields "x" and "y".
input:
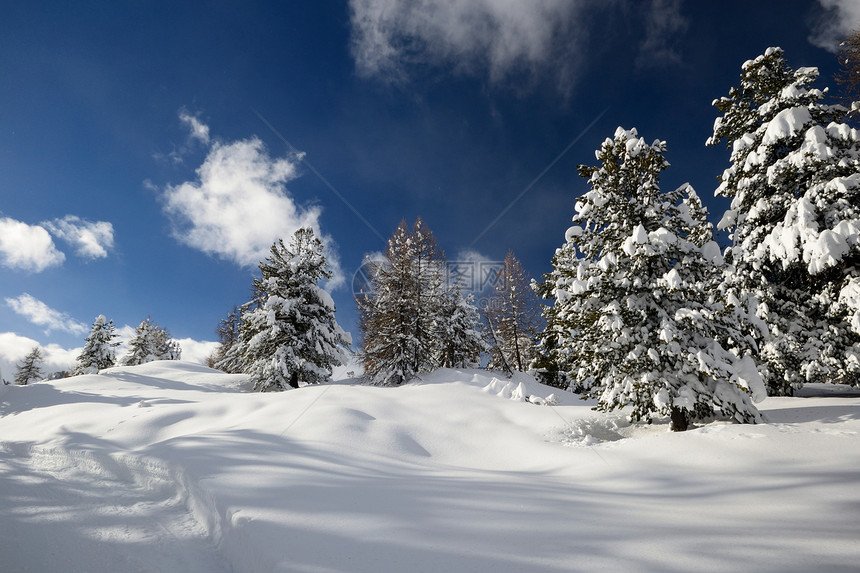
{"x": 226, "y": 357}
{"x": 100, "y": 349}
{"x": 512, "y": 316}
{"x": 150, "y": 343}
{"x": 30, "y": 369}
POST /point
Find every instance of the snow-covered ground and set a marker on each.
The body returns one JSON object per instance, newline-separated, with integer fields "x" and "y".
{"x": 173, "y": 467}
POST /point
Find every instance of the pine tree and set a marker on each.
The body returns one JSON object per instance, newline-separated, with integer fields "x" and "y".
{"x": 30, "y": 368}
{"x": 512, "y": 318}
{"x": 634, "y": 319}
{"x": 794, "y": 218}
{"x": 149, "y": 343}
{"x": 290, "y": 334}
{"x": 399, "y": 319}
{"x": 99, "y": 349}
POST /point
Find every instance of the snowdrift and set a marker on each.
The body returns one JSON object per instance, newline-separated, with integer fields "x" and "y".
{"x": 170, "y": 466}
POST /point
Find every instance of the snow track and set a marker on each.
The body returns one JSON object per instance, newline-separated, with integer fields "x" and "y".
{"x": 85, "y": 511}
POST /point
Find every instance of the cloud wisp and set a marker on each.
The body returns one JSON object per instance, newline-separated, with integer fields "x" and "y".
{"x": 840, "y": 17}
{"x": 198, "y": 130}
{"x": 41, "y": 314}
{"x": 663, "y": 24}
{"x": 27, "y": 247}
{"x": 91, "y": 240}
{"x": 499, "y": 39}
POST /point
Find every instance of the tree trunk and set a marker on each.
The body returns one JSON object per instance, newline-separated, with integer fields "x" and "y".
{"x": 679, "y": 419}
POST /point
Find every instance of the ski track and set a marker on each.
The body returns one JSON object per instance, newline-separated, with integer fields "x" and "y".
{"x": 79, "y": 511}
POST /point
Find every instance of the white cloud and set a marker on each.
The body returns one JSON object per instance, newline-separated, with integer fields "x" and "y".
{"x": 239, "y": 205}
{"x": 663, "y": 24}
{"x": 196, "y": 350}
{"x": 198, "y": 130}
{"x": 27, "y": 247}
{"x": 840, "y": 17}
{"x": 13, "y": 349}
{"x": 41, "y": 314}
{"x": 90, "y": 239}
{"x": 503, "y": 37}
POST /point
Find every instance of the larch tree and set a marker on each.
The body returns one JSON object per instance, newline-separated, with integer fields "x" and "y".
{"x": 635, "y": 318}
{"x": 99, "y": 350}
{"x": 149, "y": 343}
{"x": 512, "y": 317}
{"x": 290, "y": 335}
{"x": 400, "y": 316}
{"x": 30, "y": 368}
{"x": 849, "y": 70}
{"x": 794, "y": 185}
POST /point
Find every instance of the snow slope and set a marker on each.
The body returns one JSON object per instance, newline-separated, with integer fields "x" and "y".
{"x": 170, "y": 466}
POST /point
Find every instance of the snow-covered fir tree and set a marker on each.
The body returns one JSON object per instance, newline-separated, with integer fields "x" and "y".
{"x": 99, "y": 349}
{"x": 290, "y": 335}
{"x": 794, "y": 182}
{"x": 400, "y": 317}
{"x": 460, "y": 330}
{"x": 512, "y": 319}
{"x": 30, "y": 368}
{"x": 634, "y": 318}
{"x": 149, "y": 343}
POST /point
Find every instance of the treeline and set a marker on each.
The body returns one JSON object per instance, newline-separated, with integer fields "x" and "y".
{"x": 643, "y": 309}
{"x": 148, "y": 343}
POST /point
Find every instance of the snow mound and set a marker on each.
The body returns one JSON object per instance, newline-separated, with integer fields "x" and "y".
{"x": 594, "y": 430}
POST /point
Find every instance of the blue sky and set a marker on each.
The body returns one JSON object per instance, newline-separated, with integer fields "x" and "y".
{"x": 151, "y": 152}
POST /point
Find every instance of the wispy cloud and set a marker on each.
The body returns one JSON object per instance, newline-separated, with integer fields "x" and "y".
{"x": 840, "y": 17}
{"x": 663, "y": 25}
{"x": 483, "y": 37}
{"x": 239, "y": 205}
{"x": 197, "y": 129}
{"x": 90, "y": 239}
{"x": 27, "y": 247}
{"x": 41, "y": 314}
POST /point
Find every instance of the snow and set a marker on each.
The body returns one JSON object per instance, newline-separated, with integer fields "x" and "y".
{"x": 787, "y": 123}
{"x": 170, "y": 466}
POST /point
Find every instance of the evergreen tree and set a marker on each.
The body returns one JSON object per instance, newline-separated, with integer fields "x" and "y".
{"x": 99, "y": 349}
{"x": 794, "y": 218}
{"x": 149, "y": 343}
{"x": 512, "y": 318}
{"x": 399, "y": 319}
{"x": 460, "y": 331}
{"x": 290, "y": 334}
{"x": 30, "y": 368}
{"x": 226, "y": 357}
{"x": 634, "y": 318}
